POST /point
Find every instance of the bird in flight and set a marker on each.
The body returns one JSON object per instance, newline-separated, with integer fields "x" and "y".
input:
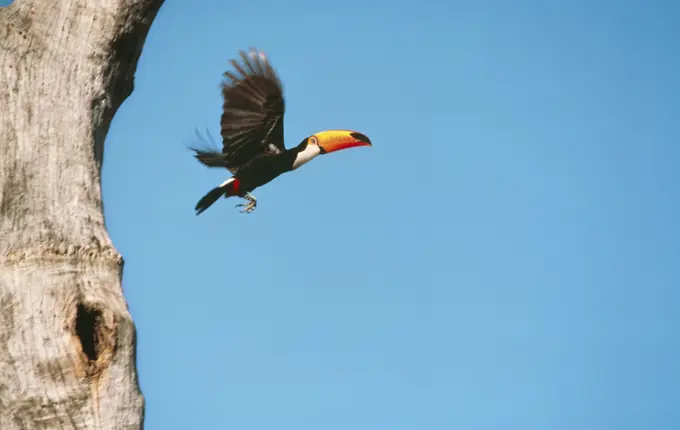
{"x": 252, "y": 134}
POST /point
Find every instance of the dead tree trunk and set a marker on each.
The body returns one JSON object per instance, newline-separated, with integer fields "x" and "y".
{"x": 67, "y": 341}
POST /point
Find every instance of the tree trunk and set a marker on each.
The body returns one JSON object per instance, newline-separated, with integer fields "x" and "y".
{"x": 67, "y": 341}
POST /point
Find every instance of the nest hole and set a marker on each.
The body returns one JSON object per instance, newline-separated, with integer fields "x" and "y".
{"x": 88, "y": 321}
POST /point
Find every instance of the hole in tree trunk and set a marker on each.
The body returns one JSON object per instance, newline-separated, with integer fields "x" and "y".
{"x": 87, "y": 322}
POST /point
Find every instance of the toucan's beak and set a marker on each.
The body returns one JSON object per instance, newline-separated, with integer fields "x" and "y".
{"x": 335, "y": 140}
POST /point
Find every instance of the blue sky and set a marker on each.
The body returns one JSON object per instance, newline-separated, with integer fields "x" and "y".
{"x": 505, "y": 256}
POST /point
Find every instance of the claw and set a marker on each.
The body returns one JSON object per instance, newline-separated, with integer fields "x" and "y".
{"x": 250, "y": 206}
{"x": 248, "y": 209}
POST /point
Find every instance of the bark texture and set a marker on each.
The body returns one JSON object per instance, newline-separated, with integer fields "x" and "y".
{"x": 67, "y": 341}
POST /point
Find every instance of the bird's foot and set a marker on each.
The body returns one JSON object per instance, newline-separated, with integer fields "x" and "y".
{"x": 250, "y": 206}
{"x": 247, "y": 207}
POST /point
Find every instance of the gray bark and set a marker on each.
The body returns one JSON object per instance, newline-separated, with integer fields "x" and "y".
{"x": 67, "y": 341}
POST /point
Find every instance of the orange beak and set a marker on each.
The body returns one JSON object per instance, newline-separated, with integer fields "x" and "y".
{"x": 336, "y": 140}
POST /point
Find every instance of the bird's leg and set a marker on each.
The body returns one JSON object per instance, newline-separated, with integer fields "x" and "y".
{"x": 250, "y": 206}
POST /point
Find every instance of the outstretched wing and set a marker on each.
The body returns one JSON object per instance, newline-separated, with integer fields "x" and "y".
{"x": 252, "y": 118}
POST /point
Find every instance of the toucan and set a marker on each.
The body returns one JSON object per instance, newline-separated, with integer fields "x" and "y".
{"x": 252, "y": 133}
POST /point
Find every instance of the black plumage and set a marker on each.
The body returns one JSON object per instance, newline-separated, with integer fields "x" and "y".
{"x": 253, "y": 147}
{"x": 252, "y": 117}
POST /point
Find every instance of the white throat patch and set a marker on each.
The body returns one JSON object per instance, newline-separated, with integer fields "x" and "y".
{"x": 303, "y": 157}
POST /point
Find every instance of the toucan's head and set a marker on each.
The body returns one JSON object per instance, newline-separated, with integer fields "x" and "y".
{"x": 325, "y": 142}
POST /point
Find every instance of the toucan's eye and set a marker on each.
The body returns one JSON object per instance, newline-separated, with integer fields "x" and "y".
{"x": 313, "y": 140}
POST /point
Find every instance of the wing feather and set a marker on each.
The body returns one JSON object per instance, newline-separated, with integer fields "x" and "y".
{"x": 253, "y": 110}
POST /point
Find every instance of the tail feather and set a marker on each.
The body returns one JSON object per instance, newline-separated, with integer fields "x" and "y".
{"x": 226, "y": 189}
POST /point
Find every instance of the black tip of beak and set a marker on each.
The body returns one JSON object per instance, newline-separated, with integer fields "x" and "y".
{"x": 361, "y": 137}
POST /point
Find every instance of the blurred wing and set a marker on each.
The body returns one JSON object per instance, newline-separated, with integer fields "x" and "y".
{"x": 252, "y": 120}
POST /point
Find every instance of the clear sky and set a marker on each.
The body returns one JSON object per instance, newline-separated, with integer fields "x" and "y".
{"x": 505, "y": 256}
